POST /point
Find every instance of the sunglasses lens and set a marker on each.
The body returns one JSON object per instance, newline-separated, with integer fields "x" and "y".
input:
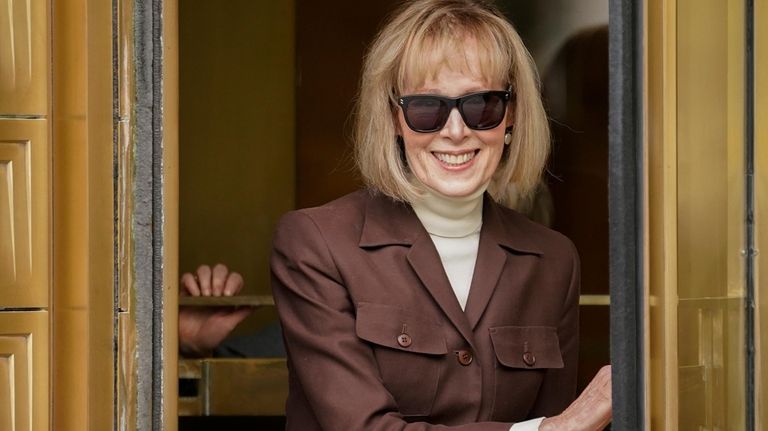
{"x": 480, "y": 111}
{"x": 426, "y": 113}
{"x": 483, "y": 111}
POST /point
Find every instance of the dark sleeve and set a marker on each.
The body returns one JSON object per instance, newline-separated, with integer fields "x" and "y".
{"x": 336, "y": 371}
{"x": 267, "y": 342}
{"x": 559, "y": 387}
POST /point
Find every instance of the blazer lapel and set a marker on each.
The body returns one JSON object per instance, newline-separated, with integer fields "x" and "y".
{"x": 496, "y": 237}
{"x": 488, "y": 267}
{"x": 392, "y": 223}
{"x": 426, "y": 263}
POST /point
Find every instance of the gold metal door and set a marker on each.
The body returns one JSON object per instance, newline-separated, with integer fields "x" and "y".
{"x": 25, "y": 207}
{"x": 24, "y": 370}
{"x": 696, "y": 214}
{"x": 97, "y": 382}
{"x": 58, "y": 285}
{"x": 24, "y": 212}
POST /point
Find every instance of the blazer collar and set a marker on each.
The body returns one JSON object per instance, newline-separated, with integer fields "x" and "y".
{"x": 512, "y": 234}
{"x": 388, "y": 222}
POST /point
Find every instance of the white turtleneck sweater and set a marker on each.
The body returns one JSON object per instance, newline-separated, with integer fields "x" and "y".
{"x": 454, "y": 226}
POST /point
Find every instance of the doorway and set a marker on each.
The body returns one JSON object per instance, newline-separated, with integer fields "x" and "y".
{"x": 266, "y": 94}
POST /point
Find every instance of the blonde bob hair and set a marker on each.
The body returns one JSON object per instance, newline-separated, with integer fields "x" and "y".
{"x": 415, "y": 42}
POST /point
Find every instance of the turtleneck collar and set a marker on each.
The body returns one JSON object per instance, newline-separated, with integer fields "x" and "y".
{"x": 447, "y": 216}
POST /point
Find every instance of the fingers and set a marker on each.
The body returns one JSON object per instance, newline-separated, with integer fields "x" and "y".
{"x": 204, "y": 279}
{"x": 189, "y": 285}
{"x": 602, "y": 382}
{"x": 219, "y": 277}
{"x": 592, "y": 409}
{"x": 216, "y": 281}
{"x": 598, "y": 397}
{"x": 233, "y": 285}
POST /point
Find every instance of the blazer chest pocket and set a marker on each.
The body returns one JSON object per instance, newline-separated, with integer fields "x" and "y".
{"x": 409, "y": 350}
{"x": 523, "y": 354}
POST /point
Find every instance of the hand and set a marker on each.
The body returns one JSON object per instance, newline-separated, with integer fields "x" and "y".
{"x": 203, "y": 328}
{"x": 591, "y": 411}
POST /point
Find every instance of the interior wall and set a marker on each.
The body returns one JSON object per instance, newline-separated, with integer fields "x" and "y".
{"x": 546, "y": 25}
{"x": 330, "y": 44}
{"x": 266, "y": 95}
{"x": 237, "y": 132}
{"x": 569, "y": 42}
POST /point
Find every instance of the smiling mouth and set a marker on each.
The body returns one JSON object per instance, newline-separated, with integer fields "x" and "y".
{"x": 456, "y": 159}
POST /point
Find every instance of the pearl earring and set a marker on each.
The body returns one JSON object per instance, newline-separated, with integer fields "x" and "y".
{"x": 507, "y": 138}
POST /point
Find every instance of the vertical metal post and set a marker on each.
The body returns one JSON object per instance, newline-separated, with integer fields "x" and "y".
{"x": 625, "y": 209}
{"x": 749, "y": 165}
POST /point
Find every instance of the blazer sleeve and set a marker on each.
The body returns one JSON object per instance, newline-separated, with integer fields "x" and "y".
{"x": 336, "y": 370}
{"x": 558, "y": 389}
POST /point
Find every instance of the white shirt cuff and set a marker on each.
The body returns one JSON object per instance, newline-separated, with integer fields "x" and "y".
{"x": 529, "y": 425}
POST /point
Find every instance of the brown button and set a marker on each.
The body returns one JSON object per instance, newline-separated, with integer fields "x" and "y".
{"x": 529, "y": 359}
{"x": 404, "y": 340}
{"x": 464, "y": 357}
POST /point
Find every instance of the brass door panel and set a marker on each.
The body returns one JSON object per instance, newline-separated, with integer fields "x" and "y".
{"x": 24, "y": 218}
{"x": 696, "y": 219}
{"x": 711, "y": 146}
{"x": 23, "y": 57}
{"x": 235, "y": 387}
{"x": 24, "y": 371}
{"x": 7, "y": 395}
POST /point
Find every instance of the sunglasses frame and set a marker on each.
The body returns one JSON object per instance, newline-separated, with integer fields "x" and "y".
{"x": 453, "y": 102}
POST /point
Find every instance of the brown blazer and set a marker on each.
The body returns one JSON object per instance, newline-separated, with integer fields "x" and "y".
{"x": 352, "y": 277}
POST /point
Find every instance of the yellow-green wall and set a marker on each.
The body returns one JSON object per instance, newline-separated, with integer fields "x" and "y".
{"x": 237, "y": 127}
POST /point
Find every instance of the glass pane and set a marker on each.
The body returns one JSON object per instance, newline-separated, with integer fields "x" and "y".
{"x": 710, "y": 224}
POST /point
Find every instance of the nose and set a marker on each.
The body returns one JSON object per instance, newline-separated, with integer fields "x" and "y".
{"x": 455, "y": 128}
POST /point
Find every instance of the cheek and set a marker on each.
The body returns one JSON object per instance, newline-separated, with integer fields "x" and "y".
{"x": 414, "y": 149}
{"x": 415, "y": 144}
{"x": 495, "y": 155}
{"x": 499, "y": 154}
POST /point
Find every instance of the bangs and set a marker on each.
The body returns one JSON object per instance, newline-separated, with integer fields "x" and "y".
{"x": 446, "y": 43}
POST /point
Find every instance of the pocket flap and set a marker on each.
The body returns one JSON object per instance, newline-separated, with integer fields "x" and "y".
{"x": 528, "y": 347}
{"x": 383, "y": 324}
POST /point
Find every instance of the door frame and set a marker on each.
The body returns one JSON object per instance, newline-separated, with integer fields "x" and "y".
{"x": 625, "y": 208}
{"x": 156, "y": 133}
{"x": 154, "y": 197}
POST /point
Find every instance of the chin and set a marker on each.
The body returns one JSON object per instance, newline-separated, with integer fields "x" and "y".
{"x": 457, "y": 192}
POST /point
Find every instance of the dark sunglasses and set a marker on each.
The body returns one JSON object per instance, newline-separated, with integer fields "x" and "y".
{"x": 426, "y": 113}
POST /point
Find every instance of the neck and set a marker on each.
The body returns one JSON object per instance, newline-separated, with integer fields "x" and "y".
{"x": 448, "y": 216}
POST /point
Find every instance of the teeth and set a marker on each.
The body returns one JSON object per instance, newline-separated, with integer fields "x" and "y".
{"x": 453, "y": 159}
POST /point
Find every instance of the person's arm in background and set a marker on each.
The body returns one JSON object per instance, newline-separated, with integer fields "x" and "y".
{"x": 201, "y": 329}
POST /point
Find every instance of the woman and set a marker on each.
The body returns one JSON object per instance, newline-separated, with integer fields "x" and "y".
{"x": 422, "y": 302}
